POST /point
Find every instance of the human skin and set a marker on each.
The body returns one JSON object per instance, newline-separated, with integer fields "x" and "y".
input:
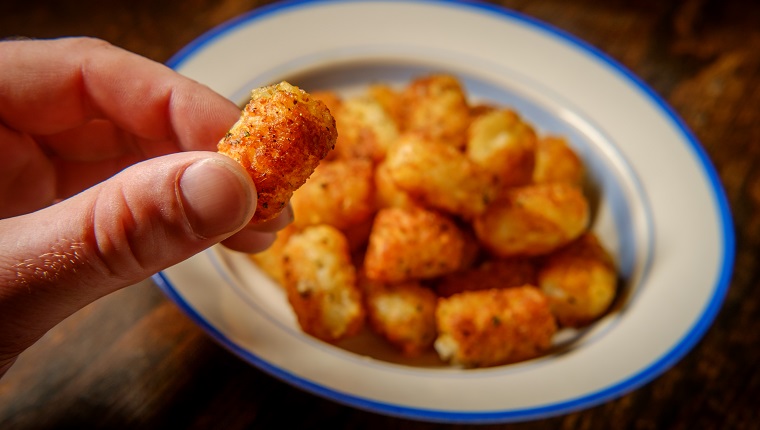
{"x": 108, "y": 174}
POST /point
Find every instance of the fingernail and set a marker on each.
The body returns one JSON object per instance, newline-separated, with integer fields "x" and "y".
{"x": 216, "y": 199}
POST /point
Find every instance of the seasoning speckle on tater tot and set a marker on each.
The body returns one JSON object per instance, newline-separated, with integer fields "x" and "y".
{"x": 412, "y": 243}
{"x": 321, "y": 283}
{"x": 580, "y": 281}
{"x": 282, "y": 135}
{"x": 492, "y": 327}
{"x": 533, "y": 220}
{"x": 403, "y": 313}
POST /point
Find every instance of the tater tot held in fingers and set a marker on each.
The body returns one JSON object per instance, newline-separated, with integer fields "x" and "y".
{"x": 280, "y": 138}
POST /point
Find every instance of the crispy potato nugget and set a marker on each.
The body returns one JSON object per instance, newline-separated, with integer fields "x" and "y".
{"x": 340, "y": 193}
{"x": 436, "y": 107}
{"x": 580, "y": 281}
{"x": 270, "y": 260}
{"x": 366, "y": 129}
{"x": 321, "y": 283}
{"x": 503, "y": 144}
{"x": 391, "y": 101}
{"x": 282, "y": 135}
{"x": 388, "y": 194}
{"x": 498, "y": 273}
{"x": 533, "y": 220}
{"x": 440, "y": 176}
{"x": 492, "y": 327}
{"x": 556, "y": 161}
{"x": 331, "y": 99}
{"x": 412, "y": 243}
{"x": 404, "y": 314}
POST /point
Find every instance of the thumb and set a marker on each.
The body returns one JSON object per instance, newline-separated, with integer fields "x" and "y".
{"x": 148, "y": 217}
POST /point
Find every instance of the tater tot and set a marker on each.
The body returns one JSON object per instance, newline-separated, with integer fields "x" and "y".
{"x": 340, "y": 193}
{"x": 388, "y": 194}
{"x": 366, "y": 129}
{"x": 331, "y": 99}
{"x": 270, "y": 260}
{"x": 390, "y": 100}
{"x": 502, "y": 143}
{"x": 556, "y": 161}
{"x": 440, "y": 176}
{"x": 280, "y": 138}
{"x": 492, "y": 327}
{"x": 494, "y": 273}
{"x": 435, "y": 106}
{"x": 533, "y": 220}
{"x": 412, "y": 243}
{"x": 580, "y": 281}
{"x": 321, "y": 283}
{"x": 403, "y": 314}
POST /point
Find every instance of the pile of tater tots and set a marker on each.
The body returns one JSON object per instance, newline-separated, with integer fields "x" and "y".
{"x": 442, "y": 225}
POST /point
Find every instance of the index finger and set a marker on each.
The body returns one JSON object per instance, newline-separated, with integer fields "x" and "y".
{"x": 49, "y": 86}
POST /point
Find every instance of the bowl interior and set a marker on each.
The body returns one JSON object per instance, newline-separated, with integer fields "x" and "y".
{"x": 620, "y": 210}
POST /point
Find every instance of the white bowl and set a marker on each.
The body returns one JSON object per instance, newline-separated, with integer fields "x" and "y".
{"x": 659, "y": 206}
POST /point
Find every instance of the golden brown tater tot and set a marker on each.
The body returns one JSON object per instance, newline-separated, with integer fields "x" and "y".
{"x": 270, "y": 260}
{"x": 435, "y": 107}
{"x": 556, "y": 161}
{"x": 321, "y": 283}
{"x": 391, "y": 101}
{"x": 440, "y": 176}
{"x": 492, "y": 327}
{"x": 403, "y": 314}
{"x": 412, "y": 243}
{"x": 340, "y": 193}
{"x": 580, "y": 281}
{"x": 388, "y": 194}
{"x": 366, "y": 129}
{"x": 282, "y": 135}
{"x": 503, "y": 144}
{"x": 533, "y": 220}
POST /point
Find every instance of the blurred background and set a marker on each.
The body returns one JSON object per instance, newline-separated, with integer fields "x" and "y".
{"x": 134, "y": 360}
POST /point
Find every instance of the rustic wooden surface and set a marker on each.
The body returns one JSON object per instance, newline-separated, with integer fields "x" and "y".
{"x": 135, "y": 360}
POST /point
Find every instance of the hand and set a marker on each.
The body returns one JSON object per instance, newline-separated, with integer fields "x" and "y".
{"x": 140, "y": 140}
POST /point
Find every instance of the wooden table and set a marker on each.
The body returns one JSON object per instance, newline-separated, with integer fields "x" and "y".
{"x": 135, "y": 360}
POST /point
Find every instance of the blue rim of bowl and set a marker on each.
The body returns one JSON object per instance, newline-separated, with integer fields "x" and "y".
{"x": 656, "y": 368}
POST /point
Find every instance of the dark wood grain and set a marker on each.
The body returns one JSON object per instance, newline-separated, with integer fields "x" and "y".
{"x": 134, "y": 360}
